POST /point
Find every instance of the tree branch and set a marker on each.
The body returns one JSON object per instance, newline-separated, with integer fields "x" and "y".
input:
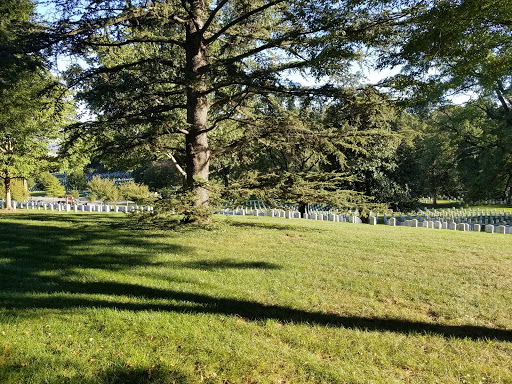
{"x": 131, "y": 41}
{"x": 278, "y": 43}
{"x": 210, "y": 19}
{"x": 238, "y": 20}
{"x": 177, "y": 166}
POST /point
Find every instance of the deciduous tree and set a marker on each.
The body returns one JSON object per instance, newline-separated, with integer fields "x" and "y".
{"x": 32, "y": 103}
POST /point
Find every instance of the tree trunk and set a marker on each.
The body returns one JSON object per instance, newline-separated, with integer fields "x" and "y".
{"x": 197, "y": 147}
{"x": 7, "y": 183}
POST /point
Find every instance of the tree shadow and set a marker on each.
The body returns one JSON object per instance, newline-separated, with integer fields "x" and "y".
{"x": 188, "y": 302}
{"x": 37, "y": 264}
{"x": 36, "y": 254}
{"x": 272, "y": 226}
{"x": 226, "y": 264}
{"x": 142, "y": 375}
{"x": 116, "y": 373}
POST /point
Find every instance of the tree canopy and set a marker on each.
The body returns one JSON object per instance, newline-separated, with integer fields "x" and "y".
{"x": 209, "y": 87}
{"x": 32, "y": 103}
{"x": 165, "y": 76}
{"x": 455, "y": 46}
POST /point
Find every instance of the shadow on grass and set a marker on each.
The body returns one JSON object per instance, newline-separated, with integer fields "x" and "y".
{"x": 226, "y": 264}
{"x": 130, "y": 375}
{"x": 154, "y": 299}
{"x": 116, "y": 373}
{"x": 274, "y": 226}
{"x": 37, "y": 264}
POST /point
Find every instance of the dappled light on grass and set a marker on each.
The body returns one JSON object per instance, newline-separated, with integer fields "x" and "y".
{"x": 334, "y": 302}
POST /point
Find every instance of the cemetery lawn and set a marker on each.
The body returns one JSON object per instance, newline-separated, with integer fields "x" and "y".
{"x": 84, "y": 299}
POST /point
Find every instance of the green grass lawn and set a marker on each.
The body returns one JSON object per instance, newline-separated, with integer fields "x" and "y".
{"x": 84, "y": 299}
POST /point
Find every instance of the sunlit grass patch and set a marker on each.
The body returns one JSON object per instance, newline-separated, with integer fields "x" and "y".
{"x": 254, "y": 300}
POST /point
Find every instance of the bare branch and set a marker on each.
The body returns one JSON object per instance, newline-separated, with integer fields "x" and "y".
{"x": 176, "y": 165}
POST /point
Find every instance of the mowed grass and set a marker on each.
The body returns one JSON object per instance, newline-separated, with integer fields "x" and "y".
{"x": 86, "y": 299}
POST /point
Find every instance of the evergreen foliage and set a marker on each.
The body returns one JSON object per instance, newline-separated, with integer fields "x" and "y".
{"x": 157, "y": 176}
{"x": 164, "y": 78}
{"x": 339, "y": 154}
{"x": 452, "y": 47}
{"x": 75, "y": 193}
{"x": 456, "y": 46}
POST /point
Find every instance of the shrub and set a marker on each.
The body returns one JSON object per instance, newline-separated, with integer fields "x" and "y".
{"x": 50, "y": 184}
{"x": 103, "y": 189}
{"x": 134, "y": 192}
{"x": 75, "y": 194}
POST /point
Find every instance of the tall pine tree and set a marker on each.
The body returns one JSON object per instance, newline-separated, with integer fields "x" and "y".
{"x": 157, "y": 70}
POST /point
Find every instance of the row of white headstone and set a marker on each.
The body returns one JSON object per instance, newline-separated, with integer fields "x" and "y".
{"x": 461, "y": 220}
{"x": 489, "y": 228}
{"x": 62, "y": 207}
{"x": 465, "y": 216}
{"x": 352, "y": 217}
{"x": 459, "y": 200}
{"x": 292, "y": 214}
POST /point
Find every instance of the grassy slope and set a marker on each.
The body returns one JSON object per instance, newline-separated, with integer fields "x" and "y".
{"x": 256, "y": 300}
